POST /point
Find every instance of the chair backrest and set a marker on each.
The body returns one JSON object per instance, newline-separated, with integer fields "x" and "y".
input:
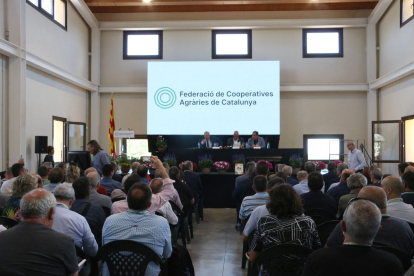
{"x": 284, "y": 259}
{"x": 8, "y": 222}
{"x": 117, "y": 199}
{"x": 319, "y": 212}
{"x": 106, "y": 210}
{"x": 158, "y": 214}
{"x": 186, "y": 202}
{"x": 321, "y": 219}
{"x": 126, "y": 257}
{"x": 411, "y": 226}
{"x": 80, "y": 253}
{"x": 325, "y": 229}
{"x": 176, "y": 209}
{"x": 402, "y": 256}
{"x": 10, "y": 271}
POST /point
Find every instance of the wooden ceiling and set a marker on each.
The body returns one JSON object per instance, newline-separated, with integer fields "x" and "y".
{"x": 138, "y": 6}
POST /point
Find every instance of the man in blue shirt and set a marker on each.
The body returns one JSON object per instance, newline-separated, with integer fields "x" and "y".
{"x": 140, "y": 226}
{"x": 142, "y": 171}
{"x": 107, "y": 182}
{"x": 302, "y": 187}
{"x": 356, "y": 160}
{"x": 56, "y": 176}
{"x": 256, "y": 141}
{"x": 249, "y": 203}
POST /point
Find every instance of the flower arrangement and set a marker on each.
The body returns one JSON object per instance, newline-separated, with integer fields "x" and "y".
{"x": 221, "y": 165}
{"x": 205, "y": 161}
{"x": 270, "y": 165}
{"x": 182, "y": 163}
{"x": 150, "y": 165}
{"x": 161, "y": 143}
{"x": 123, "y": 161}
{"x": 337, "y": 162}
{"x": 295, "y": 161}
{"x": 171, "y": 159}
{"x": 239, "y": 158}
{"x": 319, "y": 165}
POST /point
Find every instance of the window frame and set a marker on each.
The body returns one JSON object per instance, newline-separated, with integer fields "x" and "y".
{"x": 323, "y": 136}
{"x": 249, "y": 44}
{"x": 340, "y": 32}
{"x": 402, "y": 24}
{"x": 52, "y": 16}
{"x": 125, "y": 46}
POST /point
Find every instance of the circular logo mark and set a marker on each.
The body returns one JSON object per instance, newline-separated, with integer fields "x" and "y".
{"x": 165, "y": 97}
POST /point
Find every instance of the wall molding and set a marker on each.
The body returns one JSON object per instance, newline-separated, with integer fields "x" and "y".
{"x": 317, "y": 87}
{"x": 235, "y": 24}
{"x": 8, "y": 48}
{"x": 86, "y": 13}
{"x": 393, "y": 76}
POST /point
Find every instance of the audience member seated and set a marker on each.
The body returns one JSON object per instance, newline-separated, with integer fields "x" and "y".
{"x": 279, "y": 167}
{"x": 63, "y": 167}
{"x": 101, "y": 190}
{"x": 341, "y": 189}
{"x": 285, "y": 223}
{"x": 168, "y": 193}
{"x": 56, "y": 177}
{"x": 44, "y": 174}
{"x": 118, "y": 194}
{"x": 7, "y": 186}
{"x": 7, "y": 175}
{"x": 376, "y": 175}
{"x": 166, "y": 166}
{"x": 395, "y": 232}
{"x": 366, "y": 172}
{"x": 179, "y": 186}
{"x": 261, "y": 197}
{"x": 288, "y": 171}
{"x": 335, "y": 182}
{"x": 355, "y": 183}
{"x": 94, "y": 197}
{"x": 21, "y": 186}
{"x": 309, "y": 167}
{"x": 315, "y": 198}
{"x": 3, "y": 200}
{"x": 246, "y": 173}
{"x": 242, "y": 186}
{"x": 116, "y": 176}
{"x": 122, "y": 205}
{"x": 408, "y": 182}
{"x": 71, "y": 223}
{"x": 72, "y": 173}
{"x": 94, "y": 214}
{"x": 193, "y": 180}
{"x": 107, "y": 182}
{"x": 401, "y": 167}
{"x": 152, "y": 231}
{"x": 31, "y": 247}
{"x": 260, "y": 211}
{"x": 393, "y": 188}
{"x": 331, "y": 175}
{"x": 282, "y": 175}
{"x": 409, "y": 168}
{"x": 302, "y": 187}
{"x": 143, "y": 172}
{"x": 356, "y": 256}
{"x": 166, "y": 209}
{"x": 134, "y": 167}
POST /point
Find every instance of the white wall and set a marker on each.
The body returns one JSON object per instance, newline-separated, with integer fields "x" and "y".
{"x": 66, "y": 49}
{"x": 2, "y": 19}
{"x": 48, "y": 96}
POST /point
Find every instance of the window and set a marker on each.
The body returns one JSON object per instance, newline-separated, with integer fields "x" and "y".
{"x": 55, "y": 10}
{"x": 323, "y": 147}
{"x": 407, "y": 11}
{"x": 143, "y": 45}
{"x": 323, "y": 43}
{"x": 135, "y": 148}
{"x": 229, "y": 44}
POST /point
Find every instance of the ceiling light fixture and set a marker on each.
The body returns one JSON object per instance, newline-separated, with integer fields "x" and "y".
{"x": 147, "y": 1}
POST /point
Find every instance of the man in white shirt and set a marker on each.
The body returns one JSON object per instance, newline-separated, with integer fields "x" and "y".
{"x": 71, "y": 223}
{"x": 396, "y": 207}
{"x": 356, "y": 160}
{"x": 7, "y": 187}
{"x": 166, "y": 209}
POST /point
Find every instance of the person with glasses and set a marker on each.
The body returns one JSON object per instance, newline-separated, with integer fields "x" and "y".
{"x": 356, "y": 159}
{"x": 361, "y": 223}
{"x": 394, "y": 233}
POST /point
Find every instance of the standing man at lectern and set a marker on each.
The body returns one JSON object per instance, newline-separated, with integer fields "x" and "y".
{"x": 236, "y": 141}
{"x": 356, "y": 159}
{"x": 256, "y": 141}
{"x": 208, "y": 142}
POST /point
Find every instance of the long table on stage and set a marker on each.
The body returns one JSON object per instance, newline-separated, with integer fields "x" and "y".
{"x": 217, "y": 188}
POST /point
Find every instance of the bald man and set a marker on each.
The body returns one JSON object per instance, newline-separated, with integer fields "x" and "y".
{"x": 209, "y": 141}
{"x": 236, "y": 141}
{"x": 393, "y": 188}
{"x": 166, "y": 210}
{"x": 395, "y": 232}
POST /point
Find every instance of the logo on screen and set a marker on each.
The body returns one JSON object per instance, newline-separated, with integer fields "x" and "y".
{"x": 165, "y": 97}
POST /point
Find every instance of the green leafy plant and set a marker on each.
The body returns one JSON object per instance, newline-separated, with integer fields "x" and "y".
{"x": 161, "y": 143}
{"x": 170, "y": 159}
{"x": 205, "y": 161}
{"x": 295, "y": 161}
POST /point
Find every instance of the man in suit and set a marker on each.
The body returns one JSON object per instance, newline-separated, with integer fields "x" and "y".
{"x": 208, "y": 142}
{"x": 236, "y": 141}
{"x": 288, "y": 171}
{"x": 256, "y": 141}
{"x": 193, "y": 180}
{"x": 331, "y": 175}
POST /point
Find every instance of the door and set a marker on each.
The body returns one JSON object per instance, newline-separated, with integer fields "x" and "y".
{"x": 58, "y": 139}
{"x": 76, "y": 136}
{"x": 408, "y": 138}
{"x": 387, "y": 141}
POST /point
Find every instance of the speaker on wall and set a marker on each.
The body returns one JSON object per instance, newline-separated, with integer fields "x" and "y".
{"x": 40, "y": 144}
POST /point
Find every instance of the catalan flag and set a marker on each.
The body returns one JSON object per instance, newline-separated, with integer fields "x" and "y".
{"x": 111, "y": 128}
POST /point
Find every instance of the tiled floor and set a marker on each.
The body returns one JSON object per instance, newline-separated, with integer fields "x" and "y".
{"x": 216, "y": 248}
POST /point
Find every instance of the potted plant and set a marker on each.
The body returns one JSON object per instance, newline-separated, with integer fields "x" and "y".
{"x": 270, "y": 165}
{"x": 221, "y": 166}
{"x": 194, "y": 165}
{"x": 337, "y": 162}
{"x": 239, "y": 158}
{"x": 161, "y": 144}
{"x": 319, "y": 165}
{"x": 296, "y": 163}
{"x": 124, "y": 163}
{"x": 170, "y": 159}
{"x": 205, "y": 162}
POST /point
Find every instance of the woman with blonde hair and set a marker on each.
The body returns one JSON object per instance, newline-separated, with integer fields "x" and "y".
{"x": 72, "y": 173}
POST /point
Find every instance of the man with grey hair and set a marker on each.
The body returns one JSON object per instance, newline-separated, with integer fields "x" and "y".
{"x": 303, "y": 187}
{"x": 376, "y": 176}
{"x": 71, "y": 223}
{"x": 246, "y": 172}
{"x": 355, "y": 183}
{"x": 394, "y": 233}
{"x": 101, "y": 190}
{"x": 94, "y": 196}
{"x": 288, "y": 171}
{"x": 88, "y": 170}
{"x": 280, "y": 167}
{"x": 396, "y": 207}
{"x": 32, "y": 247}
{"x": 134, "y": 167}
{"x": 356, "y": 159}
{"x": 157, "y": 173}
{"x": 335, "y": 182}
{"x": 310, "y": 167}
{"x": 166, "y": 209}
{"x": 361, "y": 223}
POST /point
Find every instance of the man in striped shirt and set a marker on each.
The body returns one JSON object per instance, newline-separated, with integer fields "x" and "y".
{"x": 260, "y": 198}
